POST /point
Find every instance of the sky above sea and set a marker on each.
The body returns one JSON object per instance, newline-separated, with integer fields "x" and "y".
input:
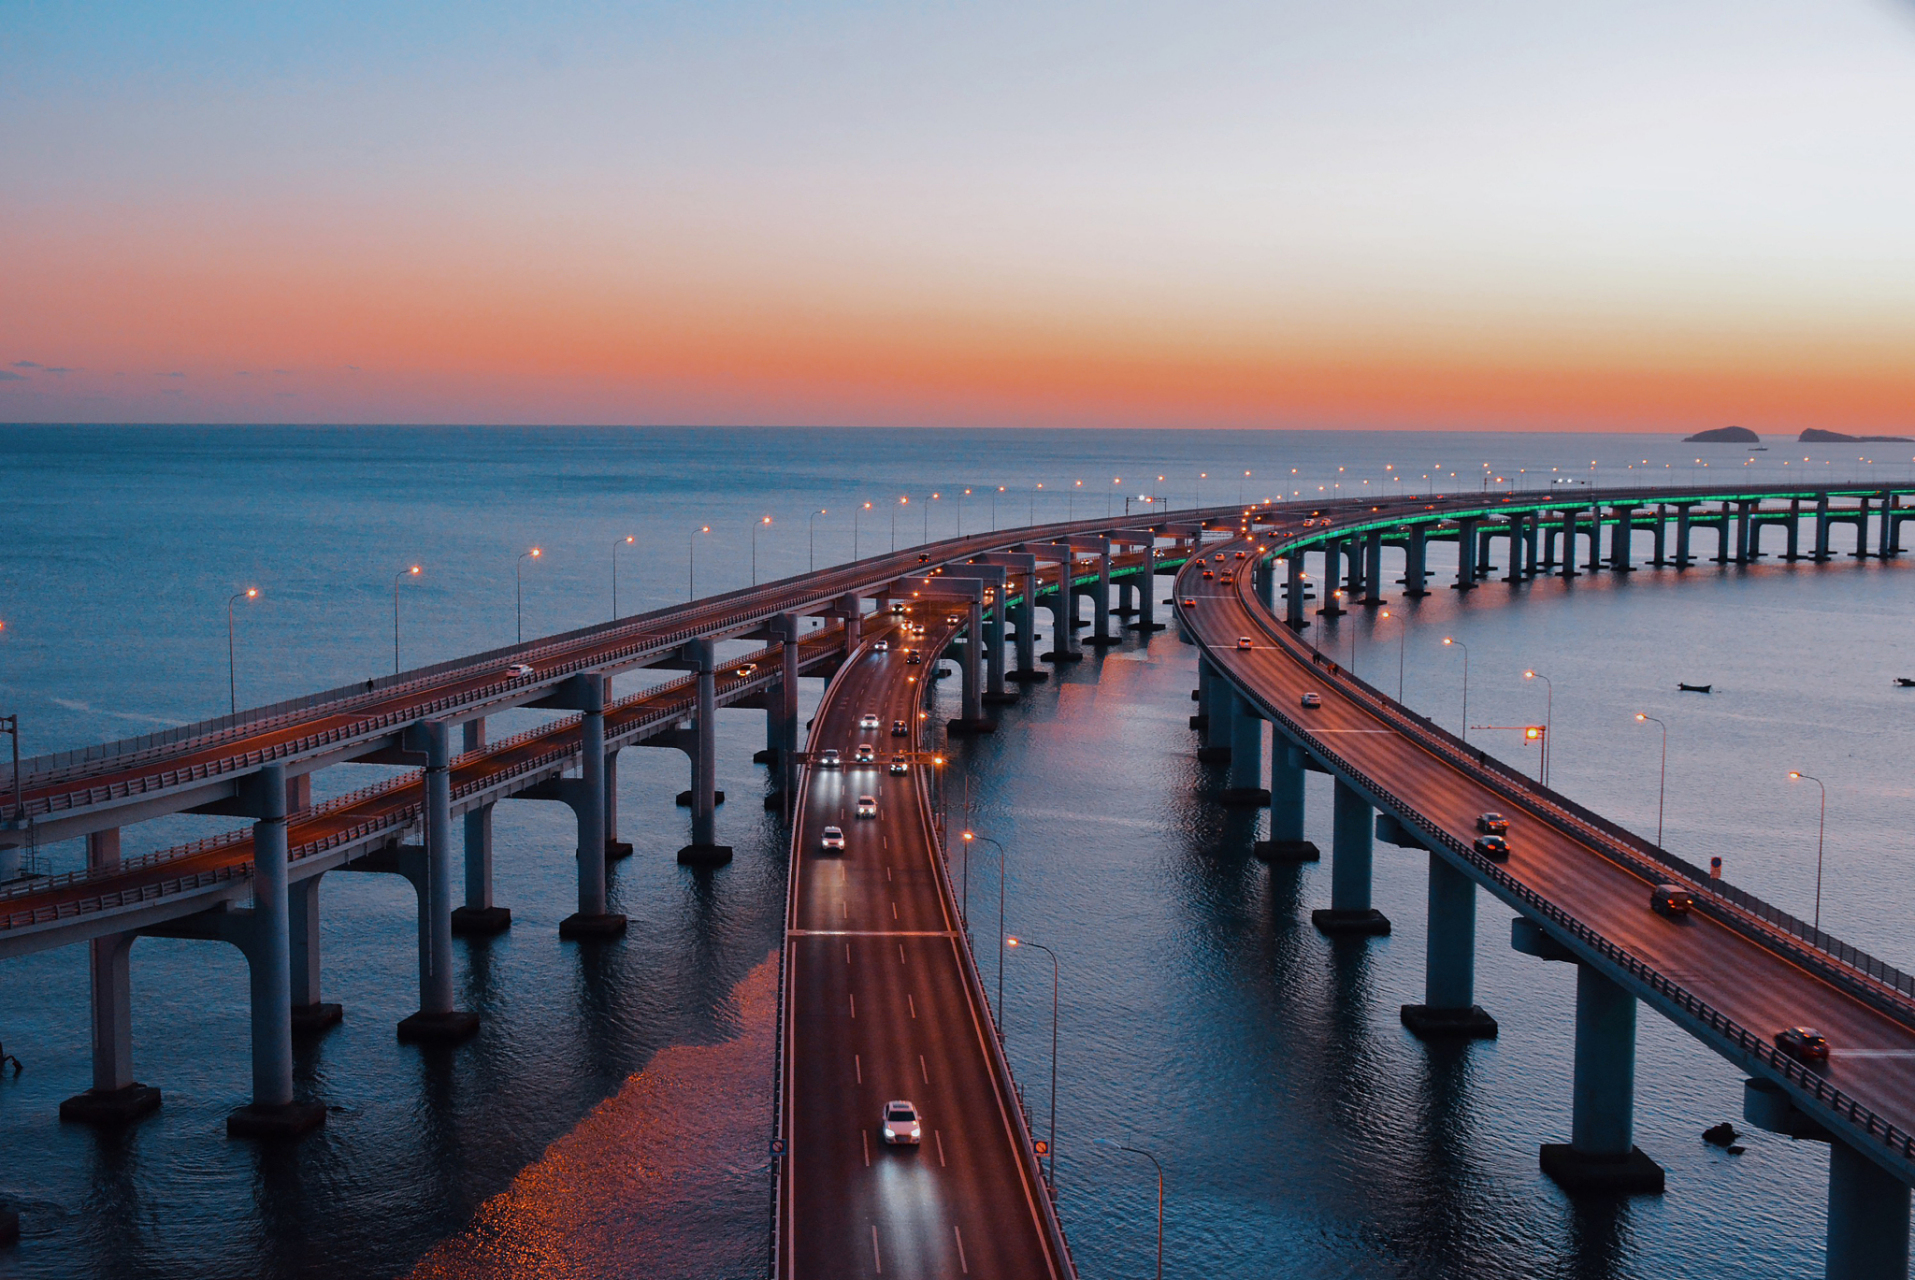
{"x": 1301, "y": 214}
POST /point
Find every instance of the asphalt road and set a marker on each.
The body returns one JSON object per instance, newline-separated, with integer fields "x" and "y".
{"x": 877, "y": 1008}
{"x": 1873, "y": 1053}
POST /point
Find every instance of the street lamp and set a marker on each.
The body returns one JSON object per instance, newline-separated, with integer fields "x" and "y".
{"x": 1023, "y": 942}
{"x": 971, "y": 835}
{"x": 398, "y": 578}
{"x": 518, "y": 577}
{"x": 1465, "y": 648}
{"x": 811, "y": 536}
{"x": 622, "y": 542}
{"x": 691, "y": 561}
{"x": 232, "y": 668}
{"x": 856, "y": 512}
{"x": 1402, "y": 639}
{"x": 1549, "y": 726}
{"x": 1662, "y": 783}
{"x": 1139, "y": 1151}
{"x": 754, "y": 547}
{"x": 903, "y": 501}
{"x": 1821, "y": 825}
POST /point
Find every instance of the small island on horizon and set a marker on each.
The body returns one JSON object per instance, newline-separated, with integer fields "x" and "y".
{"x": 1724, "y": 435}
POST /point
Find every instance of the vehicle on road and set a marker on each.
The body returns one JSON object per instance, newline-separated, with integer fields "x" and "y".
{"x": 1229, "y": 578}
{"x": 867, "y": 806}
{"x": 519, "y": 670}
{"x": 1492, "y": 824}
{"x": 902, "y": 1125}
{"x": 899, "y": 729}
{"x": 882, "y": 646}
{"x": 952, "y": 619}
{"x": 897, "y": 606}
{"x": 828, "y": 758}
{"x": 1804, "y": 1044}
{"x": 1190, "y": 602}
{"x": 1494, "y": 847}
{"x": 865, "y": 754}
{"x": 1241, "y": 555}
{"x": 1208, "y": 574}
{"x": 833, "y": 838}
{"x": 899, "y": 764}
{"x": 1671, "y": 900}
{"x": 869, "y": 720}
{"x": 913, "y": 657}
{"x": 1312, "y": 701}
{"x": 747, "y": 671}
{"x": 1243, "y": 642}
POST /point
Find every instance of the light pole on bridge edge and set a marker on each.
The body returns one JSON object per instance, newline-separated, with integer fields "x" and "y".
{"x": 1821, "y": 825}
{"x": 1662, "y": 783}
{"x": 1139, "y": 1151}
{"x": 518, "y": 578}
{"x": 398, "y": 578}
{"x": 1052, "y": 1153}
{"x": 1465, "y": 648}
{"x": 232, "y": 663}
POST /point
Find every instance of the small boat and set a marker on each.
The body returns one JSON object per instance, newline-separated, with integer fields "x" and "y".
{"x": 1694, "y": 688}
{"x": 1905, "y": 682}
{"x": 1760, "y": 448}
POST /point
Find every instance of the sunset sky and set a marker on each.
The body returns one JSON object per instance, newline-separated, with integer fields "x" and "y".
{"x": 1624, "y": 215}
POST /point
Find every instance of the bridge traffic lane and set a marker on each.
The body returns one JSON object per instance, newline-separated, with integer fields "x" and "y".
{"x": 1753, "y": 984}
{"x": 878, "y": 1008}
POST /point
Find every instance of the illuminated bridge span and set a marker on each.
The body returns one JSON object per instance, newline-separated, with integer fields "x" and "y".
{"x": 880, "y": 997}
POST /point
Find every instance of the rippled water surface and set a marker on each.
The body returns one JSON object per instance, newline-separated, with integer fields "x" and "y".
{"x": 609, "y": 1119}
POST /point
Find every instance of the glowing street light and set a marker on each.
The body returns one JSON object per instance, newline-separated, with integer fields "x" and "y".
{"x": 762, "y": 523}
{"x": 1549, "y": 724}
{"x": 1022, "y": 942}
{"x": 622, "y": 542}
{"x": 811, "y": 535}
{"x": 1821, "y": 825}
{"x": 232, "y": 667}
{"x": 518, "y": 575}
{"x": 1465, "y": 648}
{"x": 691, "y": 561}
{"x": 398, "y": 578}
{"x": 1662, "y": 784}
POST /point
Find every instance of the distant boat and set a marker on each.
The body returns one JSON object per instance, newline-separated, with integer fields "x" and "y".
{"x": 1761, "y": 448}
{"x": 1905, "y": 682}
{"x": 1694, "y": 688}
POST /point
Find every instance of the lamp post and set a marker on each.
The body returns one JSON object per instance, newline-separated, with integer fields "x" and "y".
{"x": 1821, "y": 825}
{"x": 1662, "y": 782}
{"x": 622, "y": 542}
{"x": 856, "y": 513}
{"x": 1139, "y": 1151}
{"x": 232, "y": 665}
{"x": 518, "y": 580}
{"x": 1025, "y": 942}
{"x": 1465, "y": 648}
{"x": 903, "y": 501}
{"x": 763, "y": 521}
{"x": 927, "y": 516}
{"x": 1402, "y": 640}
{"x": 811, "y": 537}
{"x": 398, "y": 578}
{"x": 994, "y": 493}
{"x": 1000, "y": 913}
{"x": 962, "y": 495}
{"x": 691, "y": 562}
{"x": 1549, "y": 725}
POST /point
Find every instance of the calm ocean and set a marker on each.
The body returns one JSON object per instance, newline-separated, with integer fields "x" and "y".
{"x": 1300, "y": 1127}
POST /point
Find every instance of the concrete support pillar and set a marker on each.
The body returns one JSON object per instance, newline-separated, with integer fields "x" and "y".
{"x": 1483, "y": 563}
{"x": 1466, "y": 553}
{"x": 478, "y": 917}
{"x": 1595, "y": 537}
{"x": 1532, "y": 528}
{"x": 1353, "y": 833}
{"x": 994, "y": 690}
{"x": 972, "y": 719}
{"x": 1569, "y": 543}
{"x": 1100, "y": 616}
{"x": 1515, "y": 535}
{"x": 1822, "y": 526}
{"x": 271, "y": 963}
{"x": 1601, "y": 1154}
{"x": 1795, "y": 530}
{"x": 1684, "y": 511}
{"x": 1868, "y": 1219}
{"x": 1449, "y": 960}
{"x": 1147, "y": 592}
{"x": 1619, "y": 539}
{"x": 436, "y": 1020}
{"x": 1744, "y": 527}
{"x": 1661, "y": 532}
{"x": 1219, "y": 711}
{"x": 1293, "y": 604}
{"x": 1725, "y": 534}
{"x": 1353, "y": 580}
{"x": 1027, "y": 672}
{"x": 1416, "y": 568}
{"x": 704, "y": 849}
{"x": 1265, "y": 578}
{"x": 1330, "y": 607}
{"x": 115, "y": 1097}
{"x": 1286, "y": 842}
{"x": 1548, "y": 560}
{"x": 1373, "y": 567}
{"x": 1861, "y": 529}
{"x": 1245, "y": 789}
{"x": 310, "y": 1013}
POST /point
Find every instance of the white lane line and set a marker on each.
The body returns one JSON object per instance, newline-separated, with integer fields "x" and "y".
{"x": 864, "y": 1140}
{"x": 900, "y": 953}
{"x": 960, "y": 1239}
{"x": 877, "y": 1259}
{"x": 887, "y": 875}
{"x": 894, "y": 912}
{"x": 924, "y": 1070}
{"x": 939, "y": 1135}
{"x": 847, "y": 953}
{"x": 857, "y": 1060}
{"x": 913, "y": 1003}
{"x": 854, "y": 1004}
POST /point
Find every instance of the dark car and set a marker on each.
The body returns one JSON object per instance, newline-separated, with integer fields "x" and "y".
{"x": 1671, "y": 900}
{"x": 913, "y": 657}
{"x": 1492, "y": 824}
{"x": 1804, "y": 1044}
{"x": 899, "y": 729}
{"x": 1209, "y": 574}
{"x": 1492, "y": 847}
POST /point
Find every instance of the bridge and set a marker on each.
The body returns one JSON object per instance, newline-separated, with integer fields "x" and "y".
{"x": 975, "y": 1194}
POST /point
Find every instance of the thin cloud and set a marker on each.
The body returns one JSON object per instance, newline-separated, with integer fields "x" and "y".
{"x": 55, "y": 368}
{"x": 6, "y": 376}
{"x": 26, "y": 364}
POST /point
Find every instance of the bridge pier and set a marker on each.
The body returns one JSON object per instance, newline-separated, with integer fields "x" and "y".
{"x": 115, "y": 1097}
{"x": 1567, "y": 567}
{"x": 1466, "y": 554}
{"x": 1101, "y": 636}
{"x": 436, "y": 1021}
{"x": 1620, "y": 538}
{"x": 310, "y": 1014}
{"x": 1868, "y": 1218}
{"x": 1286, "y": 842}
{"x": 1416, "y": 563}
{"x": 1332, "y": 574}
{"x": 781, "y": 719}
{"x": 1515, "y": 535}
{"x": 1216, "y": 705}
{"x": 1293, "y": 602}
{"x": 971, "y": 670}
{"x": 704, "y": 849}
{"x": 1373, "y": 567}
{"x": 1484, "y": 567}
{"x": 1449, "y": 1005}
{"x": 1351, "y": 855}
{"x": 1245, "y": 787}
{"x": 478, "y": 917}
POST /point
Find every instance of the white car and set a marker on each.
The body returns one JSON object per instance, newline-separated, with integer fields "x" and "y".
{"x": 828, "y": 759}
{"x": 865, "y": 754}
{"x": 882, "y": 646}
{"x": 869, "y": 720}
{"x": 867, "y": 806}
{"x": 834, "y": 838}
{"x": 898, "y": 765}
{"x": 519, "y": 670}
{"x": 1313, "y": 700}
{"x": 902, "y": 1125}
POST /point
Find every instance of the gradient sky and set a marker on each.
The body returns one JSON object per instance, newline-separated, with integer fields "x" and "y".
{"x": 1485, "y": 214}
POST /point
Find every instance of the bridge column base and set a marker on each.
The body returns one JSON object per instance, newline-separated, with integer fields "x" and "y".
{"x": 581, "y": 926}
{"x": 1027, "y": 677}
{"x": 616, "y": 849}
{"x": 766, "y": 756}
{"x": 449, "y": 1027}
{"x": 275, "y": 1121}
{"x": 1146, "y": 626}
{"x": 1366, "y": 922}
{"x": 1213, "y": 755}
{"x": 1200, "y": 721}
{"x": 685, "y": 798}
{"x": 9, "y": 1226}
{"x": 109, "y": 1108}
{"x": 1004, "y": 699}
{"x": 962, "y": 728}
{"x": 700, "y": 855}
{"x": 1287, "y": 851}
{"x": 311, "y": 1019}
{"x": 1628, "y": 1175}
{"x": 1427, "y": 1023}
{"x": 1245, "y": 798}
{"x": 480, "y": 922}
{"x": 1062, "y": 657}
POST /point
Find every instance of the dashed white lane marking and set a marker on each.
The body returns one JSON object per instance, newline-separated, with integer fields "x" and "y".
{"x": 864, "y": 1140}
{"x": 854, "y": 1005}
{"x": 913, "y": 1003}
{"x": 900, "y": 953}
{"x": 966, "y": 1266}
{"x": 847, "y": 953}
{"x": 877, "y": 1259}
{"x": 894, "y": 912}
{"x": 939, "y": 1135}
{"x": 857, "y": 1060}
{"x": 924, "y": 1070}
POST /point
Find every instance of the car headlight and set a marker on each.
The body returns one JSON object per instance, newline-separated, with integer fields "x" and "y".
{"x": 916, "y": 1132}
{"x": 889, "y": 1132}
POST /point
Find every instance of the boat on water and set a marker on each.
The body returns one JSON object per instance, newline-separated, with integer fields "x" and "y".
{"x": 1694, "y": 688}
